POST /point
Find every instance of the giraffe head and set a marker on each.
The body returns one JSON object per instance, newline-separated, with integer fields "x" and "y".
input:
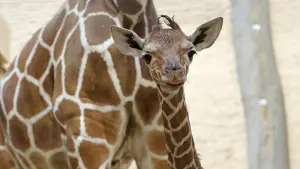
{"x": 168, "y": 52}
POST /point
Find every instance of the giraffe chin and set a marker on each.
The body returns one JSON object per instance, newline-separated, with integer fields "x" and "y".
{"x": 173, "y": 83}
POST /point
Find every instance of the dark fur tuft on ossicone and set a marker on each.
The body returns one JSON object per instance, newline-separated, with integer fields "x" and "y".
{"x": 170, "y": 22}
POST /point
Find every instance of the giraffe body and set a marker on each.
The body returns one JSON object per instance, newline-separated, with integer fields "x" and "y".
{"x": 71, "y": 99}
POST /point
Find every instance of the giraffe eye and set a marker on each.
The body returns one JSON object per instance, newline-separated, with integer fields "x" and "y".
{"x": 191, "y": 55}
{"x": 147, "y": 58}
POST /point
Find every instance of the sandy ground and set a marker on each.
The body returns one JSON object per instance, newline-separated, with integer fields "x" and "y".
{"x": 212, "y": 90}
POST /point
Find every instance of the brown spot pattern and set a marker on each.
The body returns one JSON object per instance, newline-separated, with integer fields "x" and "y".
{"x": 179, "y": 135}
{"x": 162, "y": 92}
{"x": 186, "y": 159}
{"x": 169, "y": 142}
{"x": 47, "y": 133}
{"x": 177, "y": 98}
{"x": 186, "y": 145}
{"x": 178, "y": 118}
{"x": 19, "y": 136}
{"x": 128, "y": 107}
{"x": 73, "y": 56}
{"x": 6, "y": 160}
{"x": 166, "y": 108}
{"x": 145, "y": 71}
{"x": 151, "y": 14}
{"x": 156, "y": 142}
{"x": 70, "y": 22}
{"x": 48, "y": 83}
{"x": 72, "y": 3}
{"x": 73, "y": 126}
{"x": 24, "y": 160}
{"x": 98, "y": 29}
{"x": 29, "y": 93}
{"x": 147, "y": 103}
{"x": 9, "y": 90}
{"x": 165, "y": 121}
{"x": 81, "y": 5}
{"x": 131, "y": 119}
{"x": 3, "y": 122}
{"x": 97, "y": 84}
{"x": 126, "y": 74}
{"x": 67, "y": 111}
{"x": 70, "y": 143}
{"x": 59, "y": 160}
{"x": 127, "y": 22}
{"x": 27, "y": 50}
{"x": 73, "y": 162}
{"x": 129, "y": 7}
{"x": 38, "y": 160}
{"x": 170, "y": 159}
{"x": 103, "y": 125}
{"x": 57, "y": 82}
{"x": 39, "y": 62}
{"x": 51, "y": 28}
{"x": 139, "y": 28}
{"x": 104, "y": 6}
{"x": 92, "y": 154}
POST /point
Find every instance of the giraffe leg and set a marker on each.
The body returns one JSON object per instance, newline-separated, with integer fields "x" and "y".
{"x": 123, "y": 158}
{"x": 151, "y": 152}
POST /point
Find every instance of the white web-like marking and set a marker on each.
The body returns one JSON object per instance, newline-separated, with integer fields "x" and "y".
{"x": 179, "y": 127}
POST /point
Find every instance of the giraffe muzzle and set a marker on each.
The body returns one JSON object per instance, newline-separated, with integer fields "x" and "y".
{"x": 173, "y": 76}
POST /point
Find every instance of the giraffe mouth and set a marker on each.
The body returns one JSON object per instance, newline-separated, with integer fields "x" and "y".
{"x": 170, "y": 83}
{"x": 174, "y": 83}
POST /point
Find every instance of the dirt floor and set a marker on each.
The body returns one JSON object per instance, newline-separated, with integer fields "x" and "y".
{"x": 212, "y": 90}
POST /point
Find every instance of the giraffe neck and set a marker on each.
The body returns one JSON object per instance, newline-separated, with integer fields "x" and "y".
{"x": 135, "y": 16}
{"x": 179, "y": 139}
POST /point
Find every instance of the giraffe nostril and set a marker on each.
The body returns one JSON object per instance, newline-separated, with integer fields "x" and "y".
{"x": 168, "y": 71}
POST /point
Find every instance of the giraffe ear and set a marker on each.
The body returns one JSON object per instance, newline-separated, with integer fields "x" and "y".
{"x": 206, "y": 34}
{"x": 128, "y": 42}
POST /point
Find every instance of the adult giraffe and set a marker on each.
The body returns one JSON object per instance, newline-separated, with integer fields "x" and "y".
{"x": 168, "y": 54}
{"x": 71, "y": 99}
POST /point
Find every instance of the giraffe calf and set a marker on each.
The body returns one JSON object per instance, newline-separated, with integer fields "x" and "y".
{"x": 168, "y": 54}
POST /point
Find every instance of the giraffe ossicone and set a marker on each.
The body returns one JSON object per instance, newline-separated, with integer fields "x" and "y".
{"x": 168, "y": 54}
